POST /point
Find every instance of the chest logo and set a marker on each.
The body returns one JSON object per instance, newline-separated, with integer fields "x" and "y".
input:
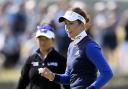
{"x": 52, "y": 64}
{"x": 35, "y": 63}
{"x": 77, "y": 53}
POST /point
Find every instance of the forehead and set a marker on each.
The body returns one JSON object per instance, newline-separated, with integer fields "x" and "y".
{"x": 43, "y": 38}
{"x": 69, "y": 22}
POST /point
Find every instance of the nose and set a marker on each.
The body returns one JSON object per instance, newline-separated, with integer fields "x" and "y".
{"x": 42, "y": 43}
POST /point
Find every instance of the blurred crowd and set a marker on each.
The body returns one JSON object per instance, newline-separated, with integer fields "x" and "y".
{"x": 19, "y": 19}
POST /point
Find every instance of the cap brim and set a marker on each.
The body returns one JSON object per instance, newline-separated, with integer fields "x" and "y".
{"x": 61, "y": 19}
{"x": 49, "y": 34}
{"x": 72, "y": 16}
{"x": 41, "y": 35}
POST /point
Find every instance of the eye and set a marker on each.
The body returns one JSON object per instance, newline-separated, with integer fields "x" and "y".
{"x": 70, "y": 23}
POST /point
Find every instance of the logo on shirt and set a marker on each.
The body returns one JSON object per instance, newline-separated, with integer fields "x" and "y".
{"x": 77, "y": 53}
{"x": 35, "y": 63}
{"x": 52, "y": 64}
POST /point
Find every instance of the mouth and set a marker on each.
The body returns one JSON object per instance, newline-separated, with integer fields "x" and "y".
{"x": 70, "y": 32}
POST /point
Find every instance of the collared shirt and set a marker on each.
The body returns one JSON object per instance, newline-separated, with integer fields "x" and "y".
{"x": 82, "y": 62}
{"x": 30, "y": 74}
{"x": 80, "y": 36}
{"x": 39, "y": 53}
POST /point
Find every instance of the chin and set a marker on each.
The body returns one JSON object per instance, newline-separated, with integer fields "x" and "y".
{"x": 71, "y": 37}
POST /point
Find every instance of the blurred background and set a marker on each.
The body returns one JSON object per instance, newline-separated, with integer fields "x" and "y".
{"x": 19, "y": 18}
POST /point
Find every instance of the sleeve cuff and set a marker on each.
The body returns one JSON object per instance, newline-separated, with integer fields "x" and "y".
{"x": 56, "y": 78}
{"x": 91, "y": 87}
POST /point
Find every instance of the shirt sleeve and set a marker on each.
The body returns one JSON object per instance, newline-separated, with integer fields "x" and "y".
{"x": 24, "y": 79}
{"x": 93, "y": 52}
{"x": 63, "y": 78}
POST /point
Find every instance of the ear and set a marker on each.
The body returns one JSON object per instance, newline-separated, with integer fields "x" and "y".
{"x": 53, "y": 39}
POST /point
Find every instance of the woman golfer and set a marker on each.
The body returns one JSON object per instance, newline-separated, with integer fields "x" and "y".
{"x": 44, "y": 56}
{"x": 84, "y": 56}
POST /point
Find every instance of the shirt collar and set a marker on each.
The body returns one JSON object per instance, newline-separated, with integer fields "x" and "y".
{"x": 39, "y": 53}
{"x": 80, "y": 36}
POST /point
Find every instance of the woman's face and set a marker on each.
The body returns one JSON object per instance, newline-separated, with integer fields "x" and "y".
{"x": 72, "y": 28}
{"x": 45, "y": 43}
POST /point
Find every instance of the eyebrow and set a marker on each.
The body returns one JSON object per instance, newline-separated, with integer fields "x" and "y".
{"x": 69, "y": 22}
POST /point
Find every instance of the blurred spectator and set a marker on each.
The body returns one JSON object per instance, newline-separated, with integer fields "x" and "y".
{"x": 43, "y": 10}
{"x": 3, "y": 24}
{"x": 28, "y": 46}
{"x": 33, "y": 15}
{"x": 19, "y": 22}
{"x": 100, "y": 21}
{"x": 11, "y": 51}
{"x": 62, "y": 38}
{"x": 79, "y": 4}
{"x": 109, "y": 35}
{"x": 12, "y": 41}
{"x": 123, "y": 49}
{"x": 104, "y": 30}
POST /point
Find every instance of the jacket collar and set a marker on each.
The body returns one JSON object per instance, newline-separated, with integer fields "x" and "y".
{"x": 39, "y": 53}
{"x": 79, "y": 37}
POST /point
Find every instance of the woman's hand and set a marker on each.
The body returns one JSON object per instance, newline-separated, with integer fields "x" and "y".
{"x": 45, "y": 72}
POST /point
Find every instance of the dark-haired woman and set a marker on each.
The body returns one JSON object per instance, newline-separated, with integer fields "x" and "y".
{"x": 45, "y": 56}
{"x": 84, "y": 56}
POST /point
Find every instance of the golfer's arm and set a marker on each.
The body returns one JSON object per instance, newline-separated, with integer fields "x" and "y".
{"x": 63, "y": 78}
{"x": 95, "y": 55}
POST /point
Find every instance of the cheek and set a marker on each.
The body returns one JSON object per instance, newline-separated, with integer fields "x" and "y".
{"x": 74, "y": 29}
{"x": 47, "y": 44}
{"x": 76, "y": 26}
{"x": 42, "y": 43}
{"x": 70, "y": 28}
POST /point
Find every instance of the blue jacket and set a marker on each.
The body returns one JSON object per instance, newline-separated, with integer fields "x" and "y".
{"x": 82, "y": 63}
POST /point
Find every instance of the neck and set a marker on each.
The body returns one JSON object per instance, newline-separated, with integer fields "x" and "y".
{"x": 80, "y": 36}
{"x": 43, "y": 52}
{"x": 79, "y": 33}
{"x": 80, "y": 30}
